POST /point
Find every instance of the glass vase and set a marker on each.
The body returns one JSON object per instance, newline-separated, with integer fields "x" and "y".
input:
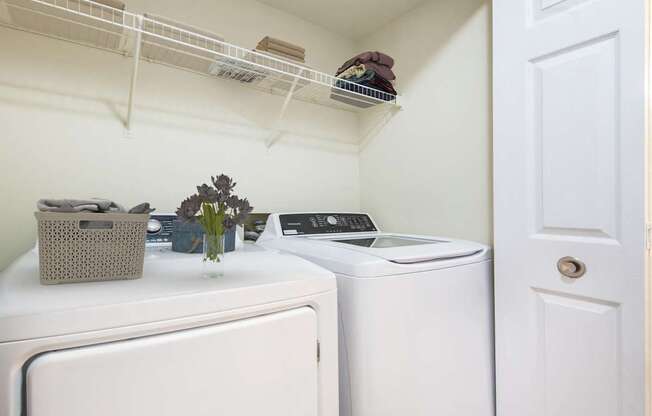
{"x": 213, "y": 255}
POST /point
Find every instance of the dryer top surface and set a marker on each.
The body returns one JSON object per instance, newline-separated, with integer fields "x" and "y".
{"x": 172, "y": 286}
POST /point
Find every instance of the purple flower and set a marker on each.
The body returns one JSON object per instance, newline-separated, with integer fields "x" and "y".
{"x": 230, "y": 209}
{"x": 245, "y": 206}
{"x": 228, "y": 223}
{"x": 242, "y": 211}
{"x": 208, "y": 193}
{"x": 223, "y": 184}
{"x": 232, "y": 202}
{"x": 189, "y": 208}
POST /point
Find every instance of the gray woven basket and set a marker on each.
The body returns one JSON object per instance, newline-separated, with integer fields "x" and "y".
{"x": 85, "y": 247}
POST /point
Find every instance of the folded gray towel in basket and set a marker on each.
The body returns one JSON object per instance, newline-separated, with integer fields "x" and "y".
{"x": 141, "y": 209}
{"x": 88, "y": 205}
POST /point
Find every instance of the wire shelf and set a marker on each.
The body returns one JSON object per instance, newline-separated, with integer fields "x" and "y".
{"x": 210, "y": 55}
{"x": 79, "y": 21}
{"x": 171, "y": 43}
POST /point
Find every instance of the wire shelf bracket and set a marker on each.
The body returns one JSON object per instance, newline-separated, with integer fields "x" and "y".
{"x": 276, "y": 135}
{"x": 134, "y": 74}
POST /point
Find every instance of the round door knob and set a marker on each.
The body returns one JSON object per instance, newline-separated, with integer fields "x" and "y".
{"x": 331, "y": 220}
{"x": 571, "y": 267}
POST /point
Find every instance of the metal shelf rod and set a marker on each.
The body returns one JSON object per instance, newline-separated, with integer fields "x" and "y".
{"x": 134, "y": 74}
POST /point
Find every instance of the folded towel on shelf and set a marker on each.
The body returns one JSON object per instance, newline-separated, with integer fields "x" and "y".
{"x": 279, "y": 54}
{"x": 362, "y": 78}
{"x": 370, "y": 56}
{"x": 267, "y": 42}
{"x": 377, "y": 82}
{"x": 281, "y": 49}
{"x": 379, "y": 62}
{"x": 369, "y": 80}
{"x": 285, "y": 55}
{"x": 368, "y": 74}
{"x": 89, "y": 205}
{"x": 353, "y": 71}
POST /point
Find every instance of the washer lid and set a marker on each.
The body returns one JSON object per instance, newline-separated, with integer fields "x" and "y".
{"x": 388, "y": 254}
{"x": 407, "y": 249}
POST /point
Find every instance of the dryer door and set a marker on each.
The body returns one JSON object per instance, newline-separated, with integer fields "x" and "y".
{"x": 259, "y": 366}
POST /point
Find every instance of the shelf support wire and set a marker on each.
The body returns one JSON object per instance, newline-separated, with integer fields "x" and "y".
{"x": 276, "y": 135}
{"x": 134, "y": 75}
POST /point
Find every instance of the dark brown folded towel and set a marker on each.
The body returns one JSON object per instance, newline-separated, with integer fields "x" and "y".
{"x": 369, "y": 79}
{"x": 379, "y": 62}
{"x": 382, "y": 84}
{"x": 381, "y": 70}
{"x": 371, "y": 56}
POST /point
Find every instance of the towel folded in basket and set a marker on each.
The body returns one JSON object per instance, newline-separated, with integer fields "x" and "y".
{"x": 89, "y": 205}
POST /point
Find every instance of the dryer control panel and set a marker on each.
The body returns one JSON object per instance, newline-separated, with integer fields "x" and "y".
{"x": 325, "y": 223}
{"x": 159, "y": 228}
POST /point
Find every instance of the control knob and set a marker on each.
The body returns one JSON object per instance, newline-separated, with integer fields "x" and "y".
{"x": 154, "y": 226}
{"x": 331, "y": 220}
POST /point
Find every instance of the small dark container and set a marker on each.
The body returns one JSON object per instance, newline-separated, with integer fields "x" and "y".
{"x": 229, "y": 240}
{"x": 188, "y": 237}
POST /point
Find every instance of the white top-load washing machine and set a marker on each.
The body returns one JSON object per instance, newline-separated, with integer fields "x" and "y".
{"x": 261, "y": 340}
{"x": 416, "y": 314}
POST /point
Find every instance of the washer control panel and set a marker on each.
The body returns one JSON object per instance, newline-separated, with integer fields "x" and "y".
{"x": 298, "y": 224}
{"x": 159, "y": 228}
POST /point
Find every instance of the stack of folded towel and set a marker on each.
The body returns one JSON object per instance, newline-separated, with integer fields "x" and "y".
{"x": 369, "y": 69}
{"x": 282, "y": 49}
{"x": 89, "y": 205}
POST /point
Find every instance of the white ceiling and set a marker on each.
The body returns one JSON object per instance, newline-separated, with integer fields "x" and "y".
{"x": 351, "y": 18}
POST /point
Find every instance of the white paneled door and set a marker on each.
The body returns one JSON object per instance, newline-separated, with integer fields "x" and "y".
{"x": 569, "y": 172}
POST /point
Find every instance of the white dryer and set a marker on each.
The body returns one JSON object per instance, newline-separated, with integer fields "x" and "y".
{"x": 262, "y": 340}
{"x": 416, "y": 314}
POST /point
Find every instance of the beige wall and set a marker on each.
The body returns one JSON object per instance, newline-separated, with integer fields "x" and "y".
{"x": 61, "y": 134}
{"x": 429, "y": 169}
